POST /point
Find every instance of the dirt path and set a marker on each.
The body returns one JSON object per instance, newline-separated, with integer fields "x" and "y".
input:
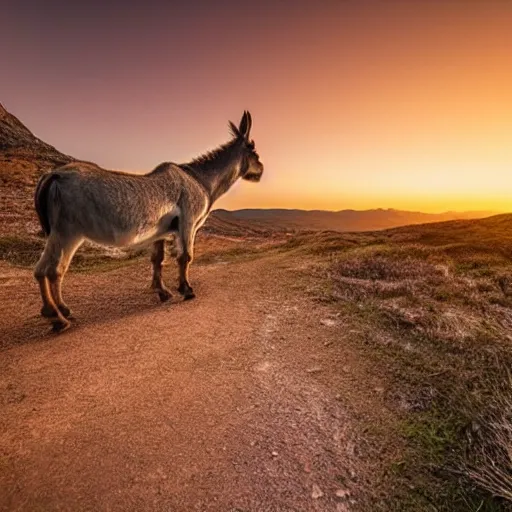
{"x": 245, "y": 399}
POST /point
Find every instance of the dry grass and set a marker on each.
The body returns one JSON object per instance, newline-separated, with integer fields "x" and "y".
{"x": 489, "y": 463}
{"x": 428, "y": 292}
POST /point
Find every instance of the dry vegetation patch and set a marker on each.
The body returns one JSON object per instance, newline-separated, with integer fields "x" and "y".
{"x": 489, "y": 462}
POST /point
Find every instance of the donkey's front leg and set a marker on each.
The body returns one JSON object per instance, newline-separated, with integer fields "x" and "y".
{"x": 157, "y": 257}
{"x": 186, "y": 257}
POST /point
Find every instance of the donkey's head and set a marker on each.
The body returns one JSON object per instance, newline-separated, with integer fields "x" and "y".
{"x": 251, "y": 168}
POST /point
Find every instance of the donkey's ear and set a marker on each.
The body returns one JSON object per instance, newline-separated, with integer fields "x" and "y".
{"x": 234, "y": 130}
{"x": 245, "y": 125}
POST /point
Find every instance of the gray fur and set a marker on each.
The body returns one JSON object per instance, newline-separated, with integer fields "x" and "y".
{"x": 81, "y": 201}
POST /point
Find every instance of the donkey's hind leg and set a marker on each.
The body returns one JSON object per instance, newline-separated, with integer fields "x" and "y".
{"x": 157, "y": 257}
{"x": 56, "y": 275}
{"x": 50, "y": 258}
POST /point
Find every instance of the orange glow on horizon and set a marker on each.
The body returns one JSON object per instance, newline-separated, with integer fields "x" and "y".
{"x": 397, "y": 104}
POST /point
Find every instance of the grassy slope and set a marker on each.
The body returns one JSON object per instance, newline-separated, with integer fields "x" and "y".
{"x": 433, "y": 310}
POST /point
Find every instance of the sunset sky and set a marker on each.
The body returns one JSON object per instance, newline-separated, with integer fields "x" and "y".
{"x": 355, "y": 104}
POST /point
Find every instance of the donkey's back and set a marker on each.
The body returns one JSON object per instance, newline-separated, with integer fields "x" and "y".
{"x": 82, "y": 200}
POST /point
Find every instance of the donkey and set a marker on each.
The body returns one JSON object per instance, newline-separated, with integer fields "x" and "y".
{"x": 81, "y": 201}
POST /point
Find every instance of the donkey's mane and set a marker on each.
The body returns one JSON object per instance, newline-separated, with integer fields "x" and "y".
{"x": 214, "y": 159}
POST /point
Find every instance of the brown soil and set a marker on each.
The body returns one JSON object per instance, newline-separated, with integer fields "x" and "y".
{"x": 247, "y": 398}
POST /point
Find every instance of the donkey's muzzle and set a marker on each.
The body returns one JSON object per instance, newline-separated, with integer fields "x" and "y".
{"x": 254, "y": 176}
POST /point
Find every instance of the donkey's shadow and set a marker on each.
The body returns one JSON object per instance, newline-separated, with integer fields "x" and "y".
{"x": 97, "y": 310}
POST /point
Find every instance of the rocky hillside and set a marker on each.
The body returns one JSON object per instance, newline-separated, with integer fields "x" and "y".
{"x": 23, "y": 158}
{"x": 17, "y": 140}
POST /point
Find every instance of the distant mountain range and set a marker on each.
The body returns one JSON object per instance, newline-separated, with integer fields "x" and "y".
{"x": 23, "y": 157}
{"x": 344, "y": 220}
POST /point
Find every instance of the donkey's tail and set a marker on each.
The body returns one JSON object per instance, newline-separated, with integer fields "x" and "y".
{"x": 41, "y": 199}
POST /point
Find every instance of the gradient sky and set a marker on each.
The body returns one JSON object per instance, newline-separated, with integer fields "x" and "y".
{"x": 356, "y": 104}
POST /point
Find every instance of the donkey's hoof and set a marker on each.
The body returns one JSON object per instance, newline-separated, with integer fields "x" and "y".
{"x": 60, "y": 326}
{"x": 164, "y": 295}
{"x": 186, "y": 291}
{"x": 48, "y": 312}
{"x": 66, "y": 312}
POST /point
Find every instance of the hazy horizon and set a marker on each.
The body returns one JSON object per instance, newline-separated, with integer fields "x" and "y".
{"x": 490, "y": 212}
{"x": 402, "y": 105}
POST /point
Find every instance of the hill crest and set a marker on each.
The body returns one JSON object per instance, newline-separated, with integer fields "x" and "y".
{"x": 342, "y": 220}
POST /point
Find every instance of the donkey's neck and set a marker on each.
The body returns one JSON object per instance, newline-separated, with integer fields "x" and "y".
{"x": 218, "y": 170}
